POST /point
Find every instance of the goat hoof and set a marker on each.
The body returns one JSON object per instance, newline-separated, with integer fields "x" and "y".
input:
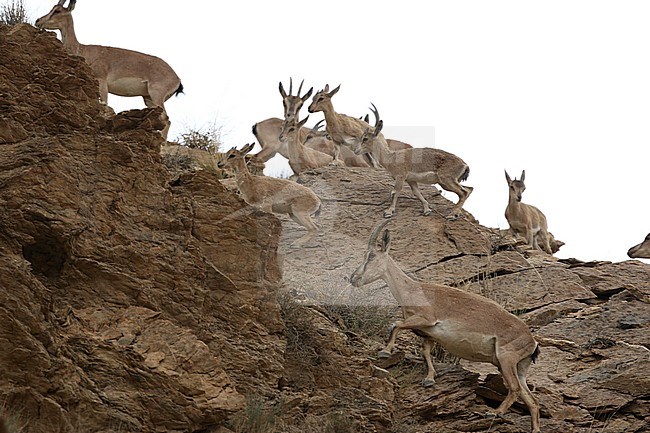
{"x": 383, "y": 354}
{"x": 388, "y": 214}
{"x": 428, "y": 382}
{"x": 426, "y": 212}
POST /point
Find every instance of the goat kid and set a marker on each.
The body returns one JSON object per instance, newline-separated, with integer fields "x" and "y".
{"x": 524, "y": 219}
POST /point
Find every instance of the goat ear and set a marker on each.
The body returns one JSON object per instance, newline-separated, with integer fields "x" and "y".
{"x": 307, "y": 95}
{"x": 282, "y": 92}
{"x": 523, "y": 175}
{"x": 508, "y": 177}
{"x": 302, "y": 122}
{"x": 333, "y": 92}
{"x": 247, "y": 148}
{"x": 326, "y": 88}
{"x": 385, "y": 241}
{"x": 71, "y": 5}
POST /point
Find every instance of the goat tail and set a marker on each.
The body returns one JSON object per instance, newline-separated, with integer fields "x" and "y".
{"x": 535, "y": 354}
{"x": 317, "y": 213}
{"x": 255, "y": 130}
{"x": 179, "y": 90}
{"x": 463, "y": 177}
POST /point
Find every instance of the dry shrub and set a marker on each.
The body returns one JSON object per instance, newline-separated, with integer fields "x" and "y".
{"x": 207, "y": 138}
{"x": 13, "y": 12}
{"x": 257, "y": 417}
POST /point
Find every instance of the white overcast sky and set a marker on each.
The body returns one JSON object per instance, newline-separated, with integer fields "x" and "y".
{"x": 558, "y": 88}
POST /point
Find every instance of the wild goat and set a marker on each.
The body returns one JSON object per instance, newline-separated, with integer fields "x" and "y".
{"x": 416, "y": 165}
{"x": 301, "y": 158}
{"x": 641, "y": 251}
{"x": 274, "y": 195}
{"x": 119, "y": 71}
{"x": 291, "y": 103}
{"x": 466, "y": 324}
{"x": 524, "y": 219}
{"x": 340, "y": 127}
{"x": 344, "y": 130}
{"x": 320, "y": 141}
{"x": 267, "y": 132}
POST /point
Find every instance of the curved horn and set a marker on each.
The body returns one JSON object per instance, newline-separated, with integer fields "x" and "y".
{"x": 372, "y": 241}
{"x": 290, "y": 86}
{"x": 376, "y": 113}
{"x": 300, "y": 88}
{"x": 317, "y": 126}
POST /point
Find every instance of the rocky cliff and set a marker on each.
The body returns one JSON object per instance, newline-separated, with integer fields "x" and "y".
{"x": 129, "y": 300}
{"x": 135, "y": 298}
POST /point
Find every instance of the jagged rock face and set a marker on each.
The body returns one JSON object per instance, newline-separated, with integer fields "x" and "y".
{"x": 129, "y": 301}
{"x": 592, "y": 319}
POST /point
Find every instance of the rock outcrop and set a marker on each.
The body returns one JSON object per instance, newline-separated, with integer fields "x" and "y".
{"x": 130, "y": 300}
{"x": 135, "y": 297}
{"x": 592, "y": 319}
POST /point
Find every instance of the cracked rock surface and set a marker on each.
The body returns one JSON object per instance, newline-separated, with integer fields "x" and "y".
{"x": 592, "y": 319}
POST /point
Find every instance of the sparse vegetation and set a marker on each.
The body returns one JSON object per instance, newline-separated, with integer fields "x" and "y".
{"x": 207, "y": 138}
{"x": 301, "y": 335}
{"x": 264, "y": 417}
{"x": 371, "y": 321}
{"x": 13, "y": 12}
{"x": 338, "y": 422}
{"x": 257, "y": 417}
{"x": 10, "y": 422}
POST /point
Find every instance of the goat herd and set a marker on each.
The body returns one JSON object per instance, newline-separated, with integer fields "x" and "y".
{"x": 468, "y": 325}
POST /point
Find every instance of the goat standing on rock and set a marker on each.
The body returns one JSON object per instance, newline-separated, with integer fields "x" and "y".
{"x": 527, "y": 220}
{"x": 119, "y": 71}
{"x": 415, "y": 165}
{"x": 468, "y": 325}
